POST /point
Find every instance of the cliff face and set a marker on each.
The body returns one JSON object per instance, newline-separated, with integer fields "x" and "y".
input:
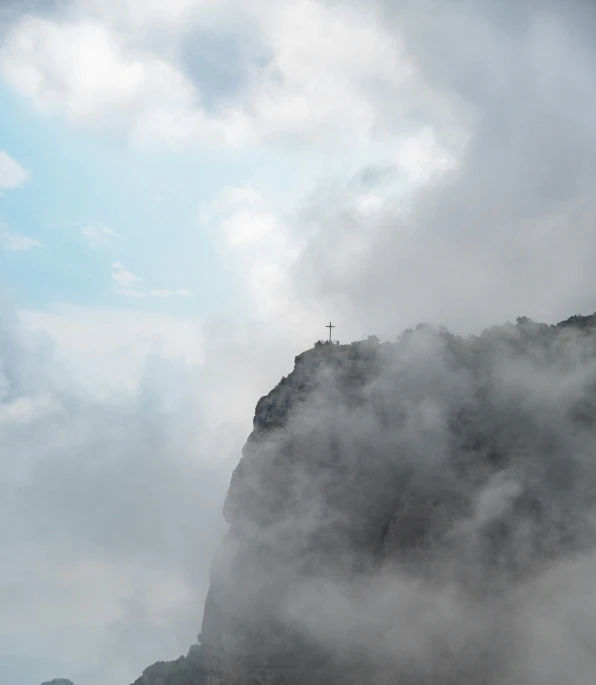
{"x": 393, "y": 500}
{"x": 186, "y": 670}
{"x": 420, "y": 512}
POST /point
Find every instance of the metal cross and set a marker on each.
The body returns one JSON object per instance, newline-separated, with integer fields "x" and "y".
{"x": 330, "y": 327}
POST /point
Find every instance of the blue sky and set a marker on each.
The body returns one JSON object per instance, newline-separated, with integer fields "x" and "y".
{"x": 116, "y": 189}
{"x": 191, "y": 190}
{"x": 149, "y": 197}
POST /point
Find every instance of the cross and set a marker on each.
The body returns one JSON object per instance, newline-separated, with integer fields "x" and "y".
{"x": 330, "y": 327}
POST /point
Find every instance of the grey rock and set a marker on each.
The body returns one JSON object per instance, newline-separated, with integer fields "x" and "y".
{"x": 395, "y": 504}
{"x": 186, "y": 670}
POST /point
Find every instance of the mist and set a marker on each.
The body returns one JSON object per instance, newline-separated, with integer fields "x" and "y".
{"x": 418, "y": 511}
{"x": 108, "y": 512}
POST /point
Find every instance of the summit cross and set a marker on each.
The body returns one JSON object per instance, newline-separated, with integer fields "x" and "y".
{"x": 330, "y": 327}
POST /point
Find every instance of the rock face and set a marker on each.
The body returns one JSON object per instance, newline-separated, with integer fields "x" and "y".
{"x": 186, "y": 670}
{"x": 392, "y": 500}
{"x": 412, "y": 512}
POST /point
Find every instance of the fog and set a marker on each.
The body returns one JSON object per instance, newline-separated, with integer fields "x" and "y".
{"x": 421, "y": 511}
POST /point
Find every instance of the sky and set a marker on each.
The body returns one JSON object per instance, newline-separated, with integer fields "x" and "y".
{"x": 189, "y": 192}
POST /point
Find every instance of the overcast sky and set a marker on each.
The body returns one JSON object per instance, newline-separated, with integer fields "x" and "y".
{"x": 189, "y": 192}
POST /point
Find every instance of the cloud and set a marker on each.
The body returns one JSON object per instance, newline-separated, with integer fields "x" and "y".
{"x": 170, "y": 292}
{"x": 62, "y": 443}
{"x": 12, "y": 174}
{"x": 504, "y": 227}
{"x": 289, "y": 87}
{"x": 146, "y": 412}
{"x": 315, "y": 89}
{"x": 256, "y": 238}
{"x": 16, "y": 242}
{"x": 244, "y": 216}
{"x": 79, "y": 68}
{"x": 147, "y": 15}
{"x": 125, "y": 283}
{"x": 106, "y": 349}
{"x": 97, "y": 236}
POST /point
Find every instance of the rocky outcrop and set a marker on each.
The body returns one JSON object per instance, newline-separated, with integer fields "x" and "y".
{"x": 382, "y": 481}
{"x": 186, "y": 670}
{"x": 58, "y": 681}
{"x": 400, "y": 514}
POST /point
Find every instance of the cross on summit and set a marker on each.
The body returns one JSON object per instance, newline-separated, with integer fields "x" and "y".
{"x": 327, "y": 341}
{"x": 330, "y": 327}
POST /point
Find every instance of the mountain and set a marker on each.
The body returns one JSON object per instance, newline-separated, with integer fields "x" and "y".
{"x": 412, "y": 512}
{"x": 186, "y": 670}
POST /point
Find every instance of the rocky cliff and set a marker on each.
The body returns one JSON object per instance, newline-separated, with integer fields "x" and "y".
{"x": 186, "y": 670}
{"x": 402, "y": 513}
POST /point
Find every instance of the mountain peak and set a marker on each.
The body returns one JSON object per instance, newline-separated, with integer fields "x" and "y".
{"x": 399, "y": 508}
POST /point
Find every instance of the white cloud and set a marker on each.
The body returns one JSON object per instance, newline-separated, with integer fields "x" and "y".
{"x": 331, "y": 72}
{"x": 108, "y": 349}
{"x": 97, "y": 236}
{"x": 12, "y": 174}
{"x": 145, "y": 14}
{"x": 80, "y": 69}
{"x": 421, "y": 157}
{"x": 276, "y": 251}
{"x": 244, "y": 216}
{"x": 88, "y": 418}
{"x": 255, "y": 236}
{"x": 247, "y": 226}
{"x": 324, "y": 60}
{"x": 170, "y": 292}
{"x": 127, "y": 284}
{"x": 16, "y": 242}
